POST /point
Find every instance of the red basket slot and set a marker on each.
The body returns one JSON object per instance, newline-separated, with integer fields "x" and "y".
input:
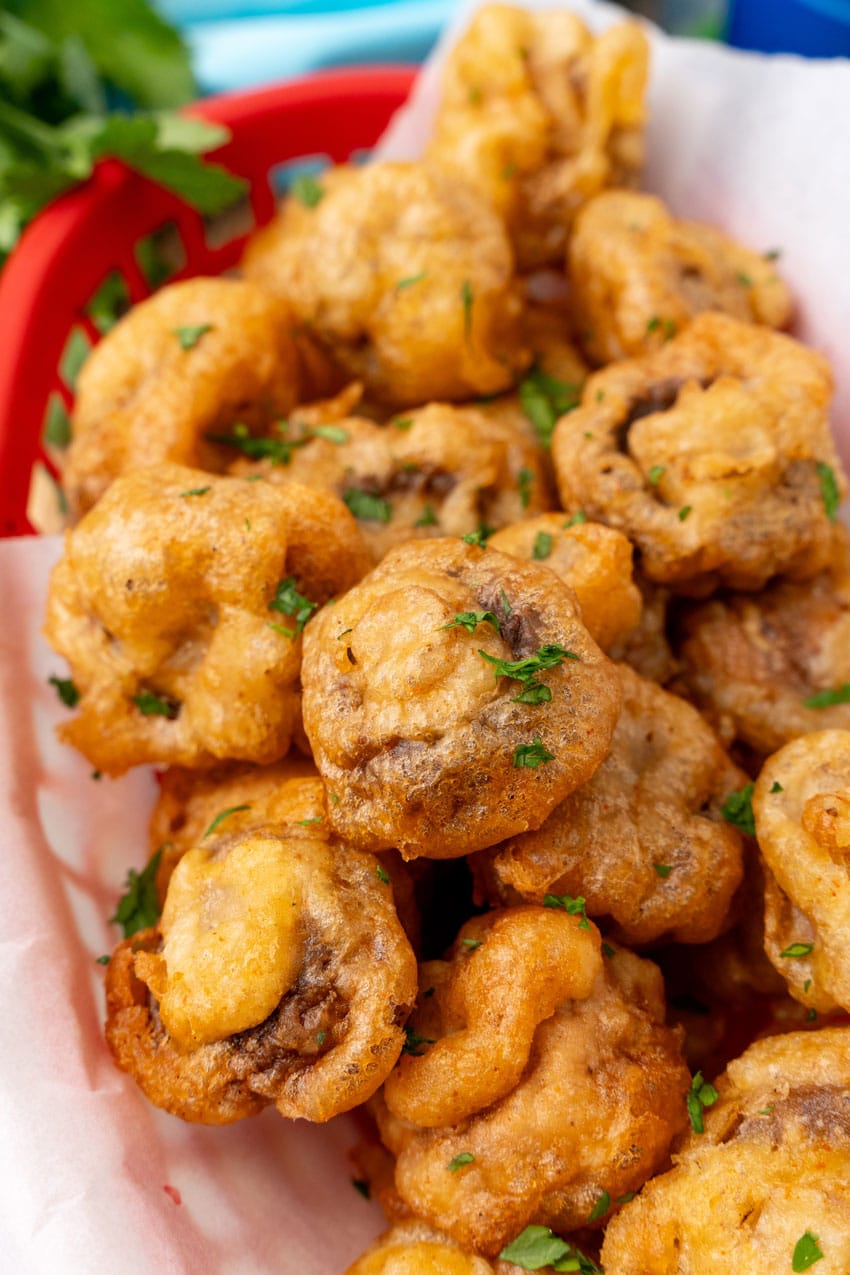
{"x": 68, "y": 252}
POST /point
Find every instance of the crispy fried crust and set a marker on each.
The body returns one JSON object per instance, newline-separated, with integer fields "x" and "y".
{"x": 415, "y": 1248}
{"x": 411, "y": 729}
{"x": 772, "y": 1164}
{"x": 709, "y": 454}
{"x": 166, "y": 592}
{"x": 143, "y": 398}
{"x": 643, "y": 842}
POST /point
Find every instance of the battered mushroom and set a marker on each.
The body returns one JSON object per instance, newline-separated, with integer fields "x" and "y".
{"x": 637, "y": 275}
{"x": 436, "y": 471}
{"x": 406, "y": 276}
{"x": 595, "y": 561}
{"x": 186, "y": 363}
{"x": 647, "y": 648}
{"x": 541, "y": 115}
{"x": 713, "y": 455}
{"x": 452, "y": 699}
{"x": 412, "y": 1247}
{"x": 557, "y": 1088}
{"x": 766, "y": 1187}
{"x": 770, "y": 667}
{"x": 279, "y": 974}
{"x": 801, "y": 805}
{"x": 643, "y": 842}
{"x": 179, "y": 605}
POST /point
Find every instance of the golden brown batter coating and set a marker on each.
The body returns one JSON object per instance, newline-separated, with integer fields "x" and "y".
{"x": 414, "y": 1248}
{"x": 279, "y": 974}
{"x": 647, "y": 648}
{"x": 595, "y": 561}
{"x": 712, "y": 454}
{"x": 600, "y": 1087}
{"x": 643, "y": 841}
{"x": 772, "y": 1167}
{"x": 753, "y": 663}
{"x": 541, "y": 115}
{"x": 801, "y": 805}
{"x": 188, "y": 362}
{"x": 406, "y": 276}
{"x": 637, "y": 275}
{"x": 173, "y": 604}
{"x": 425, "y": 739}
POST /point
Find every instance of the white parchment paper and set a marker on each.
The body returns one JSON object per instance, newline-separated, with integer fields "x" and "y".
{"x": 756, "y": 145}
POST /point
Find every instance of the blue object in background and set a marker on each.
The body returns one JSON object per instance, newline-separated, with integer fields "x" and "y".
{"x": 235, "y": 44}
{"x": 816, "y": 28}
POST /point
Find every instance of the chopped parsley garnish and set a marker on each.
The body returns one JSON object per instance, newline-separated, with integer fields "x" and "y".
{"x": 538, "y": 1246}
{"x": 744, "y": 279}
{"x": 382, "y": 874}
{"x": 470, "y": 620}
{"x": 195, "y": 491}
{"x": 542, "y": 546}
{"x": 138, "y": 907}
{"x": 361, "y": 1186}
{"x": 530, "y": 756}
{"x": 467, "y": 300}
{"x": 765, "y": 1111}
{"x": 683, "y": 512}
{"x": 525, "y": 671}
{"x": 307, "y": 190}
{"x": 828, "y": 698}
{"x": 655, "y": 474}
{"x": 308, "y": 823}
{"x": 667, "y": 326}
{"x": 627, "y": 1198}
{"x": 331, "y": 433}
{"x": 289, "y": 601}
{"x": 220, "y": 818}
{"x": 796, "y": 951}
{"x": 700, "y": 1095}
{"x": 191, "y": 335}
{"x": 413, "y": 1041}
{"x": 427, "y": 518}
{"x": 573, "y": 907}
{"x": 465, "y": 1157}
{"x": 103, "y": 960}
{"x": 524, "y": 482}
{"x": 829, "y": 492}
{"x": 472, "y": 944}
{"x": 806, "y": 1252}
{"x": 479, "y": 537}
{"x": 66, "y": 690}
{"x": 576, "y": 519}
{"x": 663, "y": 870}
{"x": 811, "y": 1015}
{"x": 737, "y": 809}
{"x": 506, "y": 606}
{"x": 544, "y": 399}
{"x": 277, "y": 450}
{"x": 152, "y": 705}
{"x": 535, "y": 693}
{"x": 321, "y": 1037}
{"x": 600, "y": 1208}
{"x": 403, "y": 422}
{"x": 777, "y": 787}
{"x": 410, "y": 280}
{"x": 807, "y": 984}
{"x": 367, "y": 507}
{"x": 608, "y": 950}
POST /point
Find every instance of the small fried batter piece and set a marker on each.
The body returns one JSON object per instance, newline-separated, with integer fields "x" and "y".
{"x": 178, "y": 605}
{"x": 772, "y": 1167}
{"x": 540, "y": 114}
{"x": 406, "y": 276}
{"x": 713, "y": 455}
{"x": 801, "y": 805}
{"x": 752, "y": 663}
{"x": 279, "y": 974}
{"x": 643, "y": 842}
{"x": 439, "y": 470}
{"x": 186, "y": 363}
{"x": 595, "y": 561}
{"x": 414, "y": 1248}
{"x": 452, "y": 699}
{"x": 637, "y": 274}
{"x": 584, "y": 1084}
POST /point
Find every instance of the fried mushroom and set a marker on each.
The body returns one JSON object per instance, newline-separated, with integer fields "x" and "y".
{"x": 186, "y": 363}
{"x": 414, "y": 1248}
{"x": 636, "y": 274}
{"x": 540, "y": 114}
{"x": 766, "y": 1186}
{"x": 643, "y": 842}
{"x": 713, "y": 455}
{"x": 406, "y": 276}
{"x": 179, "y": 604}
{"x": 453, "y": 698}
{"x": 801, "y": 805}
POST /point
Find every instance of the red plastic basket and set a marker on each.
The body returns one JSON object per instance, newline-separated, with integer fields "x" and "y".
{"x": 96, "y": 235}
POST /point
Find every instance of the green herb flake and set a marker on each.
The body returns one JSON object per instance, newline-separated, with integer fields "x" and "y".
{"x": 191, "y": 335}
{"x": 806, "y": 1252}
{"x": 220, "y": 818}
{"x": 307, "y": 190}
{"x": 321, "y": 1037}
{"x": 663, "y": 870}
{"x": 542, "y": 546}
{"x": 544, "y": 658}
{"x": 467, "y": 299}
{"x": 627, "y": 1198}
{"x": 465, "y": 1157}
{"x": 331, "y": 433}
{"x": 277, "y": 450}
{"x": 103, "y": 960}
{"x": 538, "y": 1246}
{"x": 829, "y": 698}
{"x": 608, "y": 951}
{"x": 413, "y": 1042}
{"x": 744, "y": 279}
{"x": 150, "y": 704}
{"x": 367, "y": 507}
{"x": 530, "y": 756}
{"x": 796, "y": 951}
{"x": 138, "y": 907}
{"x": 766, "y": 1111}
{"x": 472, "y": 944}
{"x": 683, "y": 512}
{"x": 772, "y": 254}
{"x": 290, "y": 602}
{"x": 666, "y": 326}
{"x": 411, "y": 280}
{"x": 807, "y": 984}
{"x": 655, "y": 474}
{"x": 66, "y": 690}
{"x": 195, "y": 491}
{"x": 535, "y": 693}
{"x": 544, "y": 399}
{"x": 403, "y": 422}
{"x": 382, "y": 874}
{"x": 700, "y": 1095}
{"x": 427, "y": 518}
{"x": 506, "y": 606}
{"x": 600, "y": 1208}
{"x": 576, "y": 519}
{"x": 737, "y": 809}
{"x": 362, "y": 1187}
{"x": 470, "y": 620}
{"x": 479, "y": 537}
{"x": 572, "y": 906}
{"x": 830, "y": 495}
{"x": 308, "y": 823}
{"x": 811, "y": 1015}
{"x": 525, "y": 482}
{"x": 777, "y": 787}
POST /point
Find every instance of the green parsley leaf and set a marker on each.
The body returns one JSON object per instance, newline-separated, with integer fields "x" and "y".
{"x": 410, "y": 280}
{"x": 382, "y": 874}
{"x": 532, "y": 755}
{"x": 138, "y": 907}
{"x": 627, "y": 1198}
{"x": 573, "y": 907}
{"x": 465, "y": 1157}
{"x": 220, "y": 818}
{"x": 103, "y": 960}
{"x": 765, "y": 1111}
{"x": 655, "y": 473}
{"x": 830, "y": 495}
{"x": 403, "y": 422}
{"x": 362, "y": 1187}
{"x": 807, "y": 984}
{"x": 506, "y": 606}
{"x": 545, "y": 657}
{"x": 796, "y": 951}
{"x": 470, "y": 620}
{"x": 472, "y": 944}
{"x": 321, "y": 1037}
{"x": 600, "y": 1208}
{"x": 828, "y": 698}
{"x": 191, "y": 335}
{"x": 537, "y": 1247}
{"x": 542, "y": 546}
{"x": 608, "y": 950}
{"x": 331, "y": 433}
{"x": 277, "y": 450}
{"x": 544, "y": 399}
{"x": 413, "y": 1041}
{"x": 663, "y": 870}
{"x": 467, "y": 299}
{"x": 428, "y": 518}
{"x": 524, "y": 482}
{"x": 576, "y": 519}
{"x": 307, "y": 190}
{"x": 667, "y": 326}
{"x": 289, "y": 601}
{"x": 308, "y": 823}
{"x": 683, "y": 512}
{"x": 744, "y": 279}
{"x": 195, "y": 491}
{"x": 700, "y": 1095}
{"x": 66, "y": 690}
{"x": 534, "y": 693}
{"x": 367, "y": 507}
{"x": 479, "y": 537}
{"x": 811, "y": 1015}
{"x": 151, "y": 705}
{"x": 777, "y": 787}
{"x": 806, "y": 1252}
{"x": 737, "y": 809}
